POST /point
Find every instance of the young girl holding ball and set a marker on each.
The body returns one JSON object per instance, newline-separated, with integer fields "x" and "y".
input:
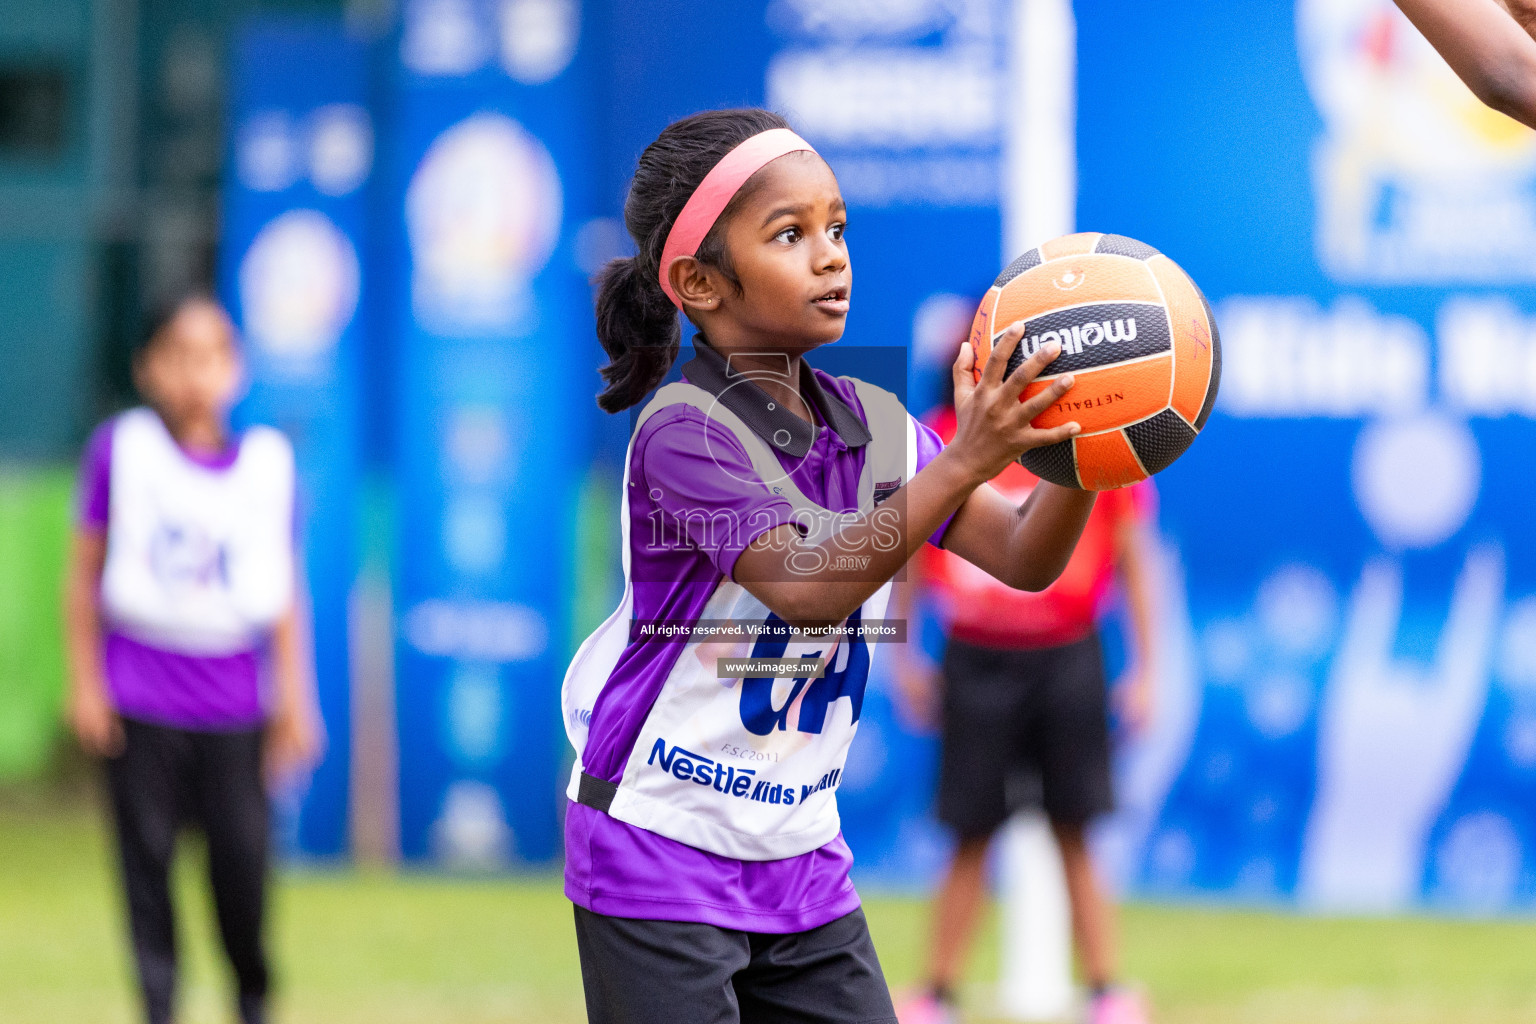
{"x": 766, "y": 508}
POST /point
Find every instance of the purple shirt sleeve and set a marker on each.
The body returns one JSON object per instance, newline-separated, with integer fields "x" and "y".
{"x": 929, "y": 444}
{"x": 701, "y": 479}
{"x": 93, "y": 488}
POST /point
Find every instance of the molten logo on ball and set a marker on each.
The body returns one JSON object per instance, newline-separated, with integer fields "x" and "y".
{"x": 1074, "y": 338}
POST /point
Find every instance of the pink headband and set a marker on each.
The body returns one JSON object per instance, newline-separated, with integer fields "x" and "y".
{"x": 715, "y": 192}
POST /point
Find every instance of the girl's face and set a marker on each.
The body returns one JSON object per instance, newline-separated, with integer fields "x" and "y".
{"x": 192, "y": 371}
{"x": 786, "y": 245}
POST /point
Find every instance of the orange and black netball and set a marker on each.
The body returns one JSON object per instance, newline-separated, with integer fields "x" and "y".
{"x": 1137, "y": 335}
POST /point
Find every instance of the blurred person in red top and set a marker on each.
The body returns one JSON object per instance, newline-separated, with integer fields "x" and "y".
{"x": 1022, "y": 702}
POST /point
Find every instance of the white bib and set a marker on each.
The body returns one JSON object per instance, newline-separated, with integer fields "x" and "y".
{"x": 199, "y": 560}
{"x": 745, "y": 768}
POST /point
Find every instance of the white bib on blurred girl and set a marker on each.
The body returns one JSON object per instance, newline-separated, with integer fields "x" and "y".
{"x": 199, "y": 560}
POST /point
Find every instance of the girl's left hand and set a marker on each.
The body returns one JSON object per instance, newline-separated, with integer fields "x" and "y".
{"x": 1135, "y": 699}
{"x": 95, "y": 721}
{"x": 994, "y": 423}
{"x": 919, "y": 683}
{"x": 293, "y": 744}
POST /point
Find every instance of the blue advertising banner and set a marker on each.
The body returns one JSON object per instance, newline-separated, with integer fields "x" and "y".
{"x": 293, "y": 229}
{"x": 906, "y": 102}
{"x": 1348, "y": 714}
{"x": 488, "y": 187}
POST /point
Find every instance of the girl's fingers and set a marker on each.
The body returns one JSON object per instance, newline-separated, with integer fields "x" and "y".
{"x": 964, "y": 371}
{"x": 1033, "y": 367}
{"x": 1055, "y": 435}
{"x": 1048, "y": 396}
{"x": 1002, "y": 350}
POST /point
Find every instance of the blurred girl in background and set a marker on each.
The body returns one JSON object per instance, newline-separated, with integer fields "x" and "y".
{"x": 186, "y": 672}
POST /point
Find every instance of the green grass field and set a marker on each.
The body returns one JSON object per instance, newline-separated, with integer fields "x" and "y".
{"x": 395, "y": 948}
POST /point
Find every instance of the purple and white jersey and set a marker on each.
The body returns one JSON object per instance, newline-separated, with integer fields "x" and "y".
{"x": 199, "y": 567}
{"x": 720, "y": 792}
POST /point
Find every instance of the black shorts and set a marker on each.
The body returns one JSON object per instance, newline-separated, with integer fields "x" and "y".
{"x": 677, "y": 972}
{"x": 1023, "y": 729}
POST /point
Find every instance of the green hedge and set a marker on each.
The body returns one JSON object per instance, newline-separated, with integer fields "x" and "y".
{"x": 34, "y": 534}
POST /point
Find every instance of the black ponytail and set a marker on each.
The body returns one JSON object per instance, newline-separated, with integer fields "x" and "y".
{"x": 636, "y": 322}
{"x": 637, "y": 325}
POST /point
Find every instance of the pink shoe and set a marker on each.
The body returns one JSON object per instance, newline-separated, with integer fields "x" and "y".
{"x": 1118, "y": 1006}
{"x": 925, "y": 1009}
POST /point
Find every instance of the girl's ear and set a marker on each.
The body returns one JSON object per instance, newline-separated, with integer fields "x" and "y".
{"x": 691, "y": 282}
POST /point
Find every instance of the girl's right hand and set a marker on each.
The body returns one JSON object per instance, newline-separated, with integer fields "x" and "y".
{"x": 95, "y": 721}
{"x": 992, "y": 425}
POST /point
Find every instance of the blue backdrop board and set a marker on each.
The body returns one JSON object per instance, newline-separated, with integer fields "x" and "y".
{"x": 1349, "y": 692}
{"x": 905, "y": 104}
{"x": 488, "y": 189}
{"x": 293, "y": 229}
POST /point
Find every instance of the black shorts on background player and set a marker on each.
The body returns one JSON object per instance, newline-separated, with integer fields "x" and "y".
{"x": 1023, "y": 728}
